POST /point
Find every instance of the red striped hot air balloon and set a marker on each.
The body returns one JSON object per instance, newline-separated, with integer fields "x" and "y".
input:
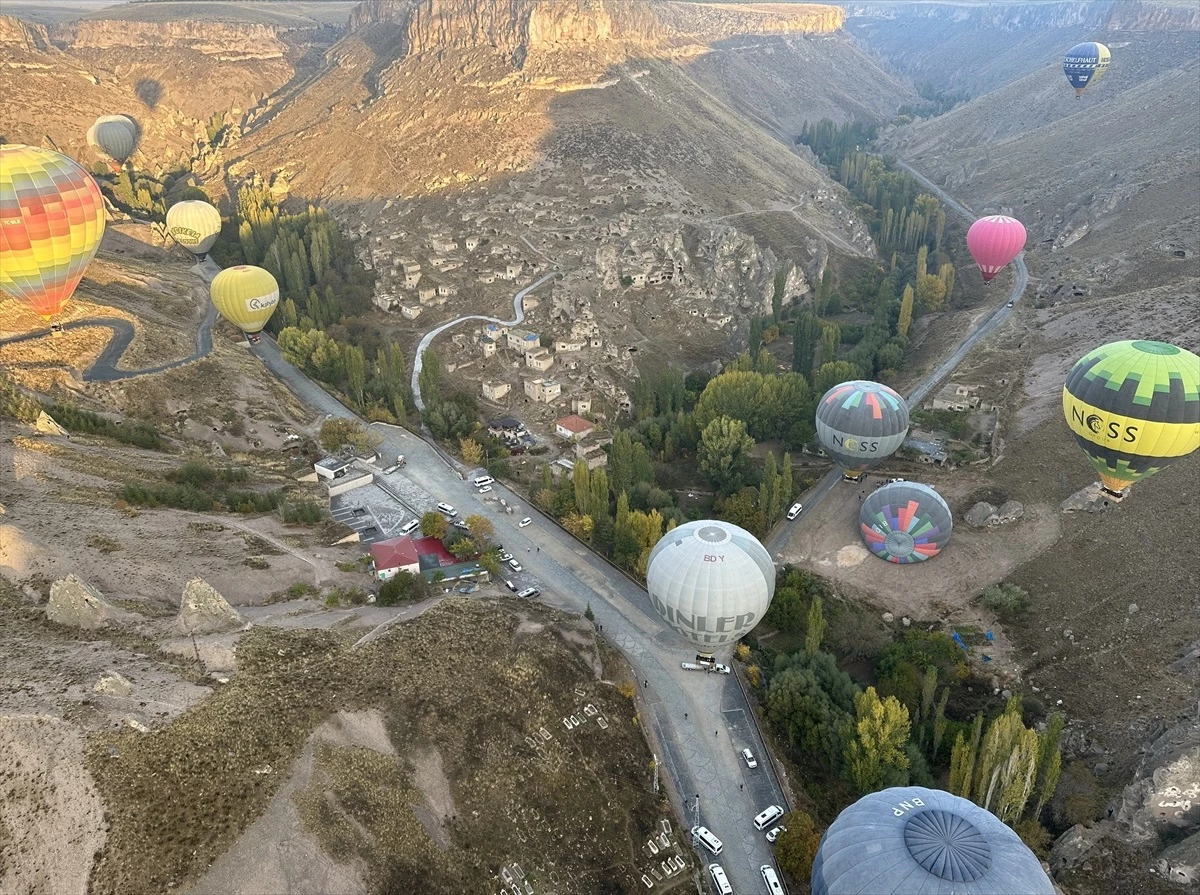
{"x": 994, "y": 241}
{"x": 51, "y": 223}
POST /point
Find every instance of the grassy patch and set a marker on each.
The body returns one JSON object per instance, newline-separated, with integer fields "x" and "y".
{"x": 103, "y": 544}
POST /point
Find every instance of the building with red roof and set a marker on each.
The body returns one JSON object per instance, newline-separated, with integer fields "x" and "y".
{"x": 573, "y": 427}
{"x": 409, "y": 554}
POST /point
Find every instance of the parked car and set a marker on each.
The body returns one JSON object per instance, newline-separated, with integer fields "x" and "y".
{"x": 510, "y": 585}
{"x": 718, "y": 668}
{"x": 524, "y": 522}
{"x": 447, "y": 509}
{"x": 748, "y": 757}
{"x": 529, "y": 592}
{"x": 516, "y": 566}
{"x": 458, "y": 523}
{"x": 1010, "y": 304}
{"x": 486, "y": 489}
{"x": 892, "y": 481}
{"x": 769, "y": 815}
{"x": 505, "y": 556}
{"x": 795, "y": 511}
{"x": 774, "y": 834}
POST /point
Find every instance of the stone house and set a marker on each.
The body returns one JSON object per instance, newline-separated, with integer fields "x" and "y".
{"x": 489, "y": 345}
{"x": 543, "y": 391}
{"x": 495, "y": 391}
{"x": 523, "y": 340}
{"x": 539, "y": 359}
{"x": 573, "y": 427}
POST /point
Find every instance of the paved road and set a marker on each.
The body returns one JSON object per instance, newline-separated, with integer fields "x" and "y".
{"x": 104, "y": 368}
{"x": 427, "y": 339}
{"x": 783, "y": 533}
{"x": 698, "y": 752}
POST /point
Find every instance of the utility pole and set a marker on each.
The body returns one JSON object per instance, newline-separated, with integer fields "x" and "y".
{"x": 655, "y": 763}
{"x": 696, "y": 823}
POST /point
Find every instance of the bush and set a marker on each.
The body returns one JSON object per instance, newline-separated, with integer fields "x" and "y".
{"x": 797, "y": 845}
{"x": 302, "y": 512}
{"x": 86, "y": 423}
{"x": 742, "y": 652}
{"x": 1034, "y": 835}
{"x": 402, "y": 587}
{"x": 626, "y": 689}
{"x": 1006, "y": 599}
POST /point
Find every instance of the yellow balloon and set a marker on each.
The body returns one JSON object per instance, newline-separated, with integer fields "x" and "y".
{"x": 246, "y": 296}
{"x": 194, "y": 224}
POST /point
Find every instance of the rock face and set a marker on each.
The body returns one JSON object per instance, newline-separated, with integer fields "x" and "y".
{"x": 46, "y": 425}
{"x": 986, "y": 515}
{"x": 113, "y": 683}
{"x": 204, "y": 611}
{"x": 23, "y": 34}
{"x": 75, "y": 603}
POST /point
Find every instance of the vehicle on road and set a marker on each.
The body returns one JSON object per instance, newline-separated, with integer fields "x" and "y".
{"x": 529, "y": 592}
{"x": 769, "y": 815}
{"x": 481, "y": 480}
{"x": 486, "y": 489}
{"x": 447, "y": 509}
{"x": 516, "y": 566}
{"x": 524, "y": 522}
{"x": 708, "y": 840}
{"x": 774, "y": 887}
{"x": 510, "y": 585}
{"x": 1010, "y": 304}
{"x": 409, "y": 526}
{"x": 718, "y": 668}
{"x": 893, "y": 481}
{"x": 748, "y": 757}
{"x": 691, "y": 666}
{"x": 505, "y": 556}
{"x": 775, "y": 831}
{"x": 719, "y": 880}
{"x": 795, "y": 511}
{"x": 458, "y": 523}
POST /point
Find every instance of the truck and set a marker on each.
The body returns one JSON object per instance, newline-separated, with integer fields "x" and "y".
{"x": 691, "y": 666}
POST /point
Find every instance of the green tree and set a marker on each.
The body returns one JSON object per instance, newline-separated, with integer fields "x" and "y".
{"x": 471, "y": 450}
{"x": 581, "y": 478}
{"x": 430, "y": 379}
{"x": 1049, "y": 760}
{"x": 963, "y": 756}
{"x": 922, "y": 262}
{"x": 756, "y": 335}
{"x": 434, "y": 525}
{"x": 490, "y": 560}
{"x": 906, "y": 312}
{"x": 787, "y": 489}
{"x": 598, "y": 503}
{"x": 580, "y": 526}
{"x": 356, "y": 372}
{"x": 931, "y": 292}
{"x": 620, "y": 462}
{"x": 724, "y": 453}
{"x": 797, "y": 845}
{"x": 463, "y": 549}
{"x": 777, "y": 294}
{"x": 814, "y": 631}
{"x": 805, "y": 336}
{"x": 928, "y": 692}
{"x": 946, "y": 275}
{"x": 831, "y": 341}
{"x": 939, "y": 725}
{"x": 875, "y": 755}
{"x": 831, "y": 374}
{"x": 768, "y": 491}
{"x": 480, "y": 527}
{"x": 340, "y": 431}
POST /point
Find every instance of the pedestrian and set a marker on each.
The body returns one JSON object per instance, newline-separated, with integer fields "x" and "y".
{"x": 742, "y": 786}
{"x": 539, "y": 549}
{"x": 685, "y": 716}
{"x": 716, "y": 733}
{"x": 645, "y": 684}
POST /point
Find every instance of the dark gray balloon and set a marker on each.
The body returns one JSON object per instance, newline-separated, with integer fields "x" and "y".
{"x": 910, "y": 839}
{"x": 861, "y": 423}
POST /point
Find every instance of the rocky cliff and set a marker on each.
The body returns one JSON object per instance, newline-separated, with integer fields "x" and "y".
{"x": 517, "y": 27}
{"x": 225, "y": 39}
{"x": 14, "y": 32}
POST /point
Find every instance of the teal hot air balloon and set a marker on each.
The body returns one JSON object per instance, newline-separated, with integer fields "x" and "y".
{"x": 860, "y": 424}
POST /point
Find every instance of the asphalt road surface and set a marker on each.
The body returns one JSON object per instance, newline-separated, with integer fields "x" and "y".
{"x": 783, "y": 533}
{"x": 104, "y": 368}
{"x": 698, "y": 721}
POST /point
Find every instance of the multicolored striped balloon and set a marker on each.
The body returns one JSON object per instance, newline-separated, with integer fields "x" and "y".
{"x": 905, "y": 522}
{"x": 51, "y": 223}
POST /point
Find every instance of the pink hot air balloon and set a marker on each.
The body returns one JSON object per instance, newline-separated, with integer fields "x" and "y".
{"x": 994, "y": 241}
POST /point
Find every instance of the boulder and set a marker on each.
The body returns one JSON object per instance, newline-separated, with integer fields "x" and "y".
{"x": 1165, "y": 799}
{"x": 113, "y": 683}
{"x": 1010, "y": 511}
{"x": 204, "y": 611}
{"x": 1078, "y": 844}
{"x": 982, "y": 515}
{"x": 77, "y": 604}
{"x": 1180, "y": 863}
{"x": 46, "y": 425}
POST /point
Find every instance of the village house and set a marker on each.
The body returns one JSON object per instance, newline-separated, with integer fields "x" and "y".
{"x": 445, "y": 289}
{"x": 567, "y": 345}
{"x": 505, "y": 427}
{"x": 544, "y": 391}
{"x": 443, "y": 245}
{"x": 591, "y": 454}
{"x": 426, "y": 294}
{"x": 581, "y": 405}
{"x": 489, "y": 345}
{"x": 959, "y": 398}
{"x": 539, "y": 359}
{"x": 573, "y": 427}
{"x": 411, "y": 312}
{"x": 471, "y": 243}
{"x": 495, "y": 391}
{"x": 331, "y": 468}
{"x": 512, "y": 271}
{"x": 523, "y": 340}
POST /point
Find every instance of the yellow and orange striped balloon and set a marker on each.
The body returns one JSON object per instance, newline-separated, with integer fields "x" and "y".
{"x": 51, "y": 223}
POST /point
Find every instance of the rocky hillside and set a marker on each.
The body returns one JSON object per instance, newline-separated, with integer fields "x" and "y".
{"x": 1105, "y": 183}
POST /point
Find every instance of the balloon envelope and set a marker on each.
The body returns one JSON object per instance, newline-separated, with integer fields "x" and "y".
{"x": 51, "y": 223}
{"x": 994, "y": 241}
{"x": 113, "y": 137}
{"x": 905, "y": 522}
{"x": 246, "y": 296}
{"x": 861, "y": 423}
{"x": 194, "y": 224}
{"x": 1085, "y": 63}
{"x": 910, "y": 839}
{"x": 710, "y": 581}
{"x": 1134, "y": 407}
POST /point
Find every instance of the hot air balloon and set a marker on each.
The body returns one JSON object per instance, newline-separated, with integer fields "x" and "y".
{"x": 51, "y": 223}
{"x": 860, "y": 424}
{"x": 1085, "y": 64}
{"x": 195, "y": 225}
{"x": 994, "y": 241}
{"x": 910, "y": 839}
{"x": 246, "y": 296}
{"x": 1134, "y": 408}
{"x": 113, "y": 137}
{"x": 711, "y": 582}
{"x": 905, "y": 522}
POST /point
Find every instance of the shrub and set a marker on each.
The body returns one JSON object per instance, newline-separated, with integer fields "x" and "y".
{"x": 401, "y": 587}
{"x": 797, "y": 845}
{"x": 1006, "y": 599}
{"x": 742, "y": 652}
{"x": 302, "y": 512}
{"x": 754, "y": 676}
{"x": 1034, "y": 835}
{"x": 626, "y": 689}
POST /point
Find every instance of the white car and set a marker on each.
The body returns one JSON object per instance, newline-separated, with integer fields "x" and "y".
{"x": 486, "y": 489}
{"x": 774, "y": 834}
{"x": 505, "y": 556}
{"x": 718, "y": 668}
{"x": 748, "y": 757}
{"x": 524, "y": 522}
{"x": 795, "y": 511}
{"x": 1010, "y": 304}
{"x": 516, "y": 566}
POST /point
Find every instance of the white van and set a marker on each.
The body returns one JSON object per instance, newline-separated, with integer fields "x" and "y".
{"x": 708, "y": 840}
{"x": 409, "y": 526}
{"x": 718, "y": 877}
{"x": 447, "y": 509}
{"x": 481, "y": 480}
{"x": 768, "y": 817}
{"x": 795, "y": 511}
{"x": 774, "y": 887}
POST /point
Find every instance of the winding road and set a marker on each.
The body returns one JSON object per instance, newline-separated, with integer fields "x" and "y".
{"x": 104, "y": 368}
{"x": 783, "y": 533}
